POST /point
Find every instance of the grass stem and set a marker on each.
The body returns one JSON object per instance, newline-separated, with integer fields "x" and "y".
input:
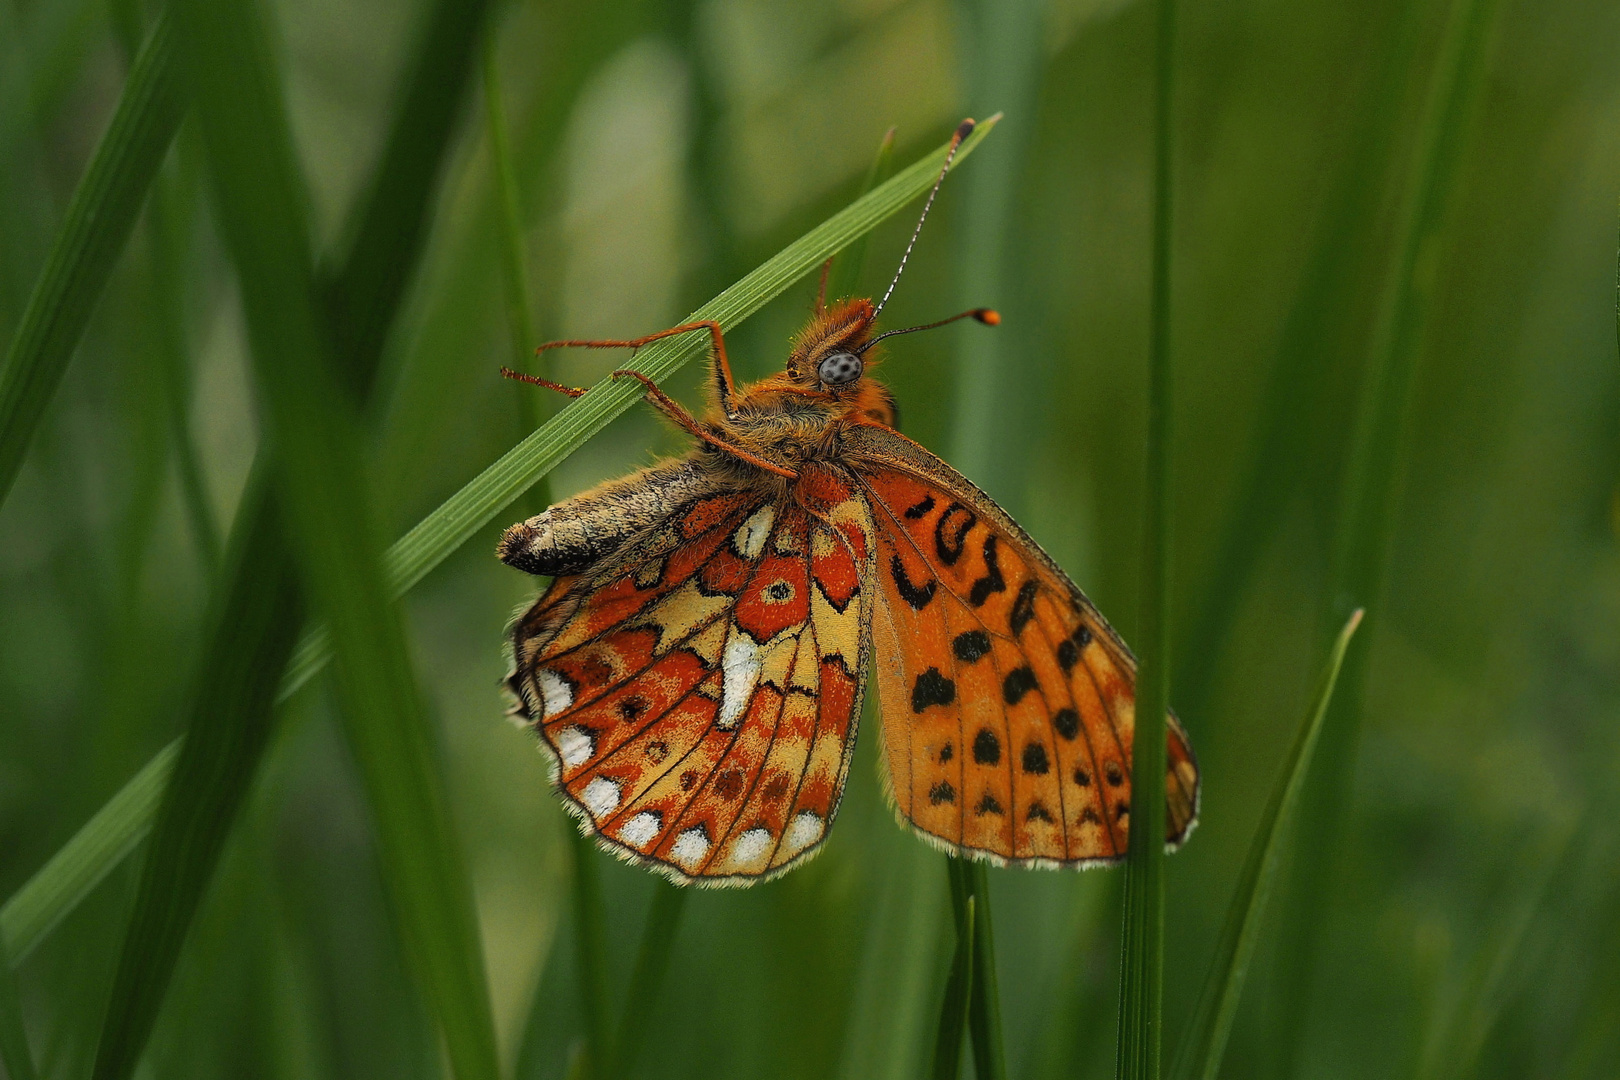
{"x": 1141, "y": 1034}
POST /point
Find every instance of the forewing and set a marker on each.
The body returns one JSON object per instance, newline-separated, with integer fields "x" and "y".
{"x": 1008, "y": 701}
{"x": 700, "y": 688}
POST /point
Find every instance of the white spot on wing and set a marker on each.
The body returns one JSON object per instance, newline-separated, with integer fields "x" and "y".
{"x": 575, "y": 746}
{"x": 639, "y": 830}
{"x": 556, "y": 694}
{"x": 750, "y": 846}
{"x": 751, "y": 535}
{"x": 690, "y": 847}
{"x": 805, "y": 830}
{"x": 600, "y": 796}
{"x": 740, "y": 669}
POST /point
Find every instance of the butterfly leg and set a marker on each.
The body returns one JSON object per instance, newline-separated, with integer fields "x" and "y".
{"x": 571, "y": 391}
{"x": 676, "y": 412}
{"x": 724, "y": 386}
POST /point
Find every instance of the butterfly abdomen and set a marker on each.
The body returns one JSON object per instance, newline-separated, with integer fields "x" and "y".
{"x": 574, "y": 534}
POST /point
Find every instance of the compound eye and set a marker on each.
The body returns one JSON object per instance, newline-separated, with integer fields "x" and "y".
{"x": 840, "y": 368}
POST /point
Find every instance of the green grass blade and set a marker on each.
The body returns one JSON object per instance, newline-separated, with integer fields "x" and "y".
{"x": 954, "y": 1008}
{"x": 1318, "y": 318}
{"x": 845, "y": 278}
{"x": 1204, "y": 1043}
{"x": 521, "y": 336}
{"x": 124, "y": 821}
{"x": 647, "y": 977}
{"x": 1141, "y": 1005}
{"x": 230, "y": 720}
{"x": 467, "y": 511}
{"x": 98, "y": 224}
{"x": 984, "y": 1011}
{"x": 231, "y": 713}
{"x": 261, "y": 211}
{"x": 34, "y": 910}
{"x": 1379, "y": 449}
{"x": 519, "y": 323}
{"x": 590, "y": 954}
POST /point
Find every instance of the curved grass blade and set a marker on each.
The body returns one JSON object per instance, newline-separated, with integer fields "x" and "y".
{"x": 116, "y": 829}
{"x": 1204, "y": 1044}
{"x": 1141, "y": 992}
{"x": 98, "y": 224}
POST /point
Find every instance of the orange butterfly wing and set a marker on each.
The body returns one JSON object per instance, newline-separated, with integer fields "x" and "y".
{"x": 1008, "y": 701}
{"x": 700, "y": 687}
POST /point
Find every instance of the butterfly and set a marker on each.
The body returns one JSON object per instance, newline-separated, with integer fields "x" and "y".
{"x": 696, "y": 666}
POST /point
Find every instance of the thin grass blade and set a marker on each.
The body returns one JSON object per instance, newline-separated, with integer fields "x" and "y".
{"x": 1379, "y": 450}
{"x": 845, "y": 277}
{"x": 590, "y": 954}
{"x": 1204, "y": 1044}
{"x": 98, "y": 224}
{"x": 954, "y": 1009}
{"x": 120, "y": 825}
{"x": 1141, "y": 996}
{"x": 647, "y": 977}
{"x": 984, "y": 1011}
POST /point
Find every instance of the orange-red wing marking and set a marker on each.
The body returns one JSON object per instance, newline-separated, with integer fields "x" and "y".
{"x": 1008, "y": 701}
{"x": 699, "y": 689}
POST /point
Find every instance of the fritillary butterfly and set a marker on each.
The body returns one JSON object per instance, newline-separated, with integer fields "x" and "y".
{"x": 696, "y": 664}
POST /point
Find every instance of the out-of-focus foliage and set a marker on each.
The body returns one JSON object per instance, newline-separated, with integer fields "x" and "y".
{"x": 662, "y": 150}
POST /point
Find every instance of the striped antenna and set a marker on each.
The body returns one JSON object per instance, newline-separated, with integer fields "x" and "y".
{"x": 963, "y": 130}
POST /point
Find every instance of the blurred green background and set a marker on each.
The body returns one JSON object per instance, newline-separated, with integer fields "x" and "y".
{"x": 1468, "y": 920}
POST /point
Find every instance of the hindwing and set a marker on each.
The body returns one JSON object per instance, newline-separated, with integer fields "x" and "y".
{"x": 699, "y": 688}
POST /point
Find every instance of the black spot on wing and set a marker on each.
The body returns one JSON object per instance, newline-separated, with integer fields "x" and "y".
{"x": 1038, "y": 812}
{"x": 1035, "y": 761}
{"x": 971, "y": 645}
{"x": 1116, "y": 775}
{"x": 942, "y": 792}
{"x": 921, "y": 509}
{"x": 1067, "y": 723}
{"x": 932, "y": 688}
{"x": 986, "y": 747}
{"x": 988, "y": 805}
{"x": 1069, "y": 649}
{"x": 1082, "y": 778}
{"x": 1019, "y": 681}
{"x": 950, "y": 532}
{"x": 917, "y": 597}
{"x": 945, "y": 753}
{"x": 1023, "y": 608}
{"x": 992, "y": 582}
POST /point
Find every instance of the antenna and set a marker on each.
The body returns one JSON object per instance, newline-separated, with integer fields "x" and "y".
{"x": 963, "y": 130}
